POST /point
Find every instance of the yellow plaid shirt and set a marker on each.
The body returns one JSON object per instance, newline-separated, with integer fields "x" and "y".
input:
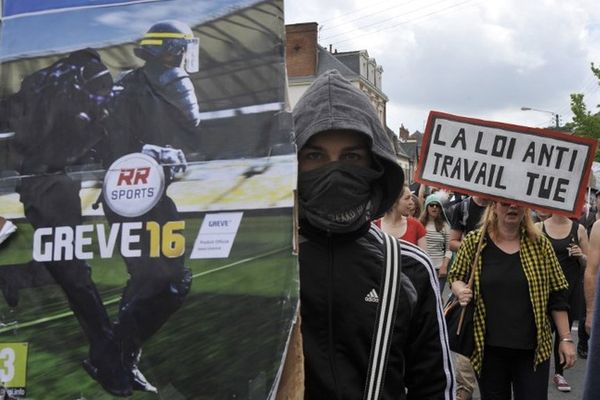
{"x": 543, "y": 273}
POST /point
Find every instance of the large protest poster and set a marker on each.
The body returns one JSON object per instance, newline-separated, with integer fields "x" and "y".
{"x": 146, "y": 162}
{"x": 533, "y": 167}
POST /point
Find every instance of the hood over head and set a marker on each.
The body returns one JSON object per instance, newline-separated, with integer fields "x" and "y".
{"x": 331, "y": 103}
{"x": 439, "y": 199}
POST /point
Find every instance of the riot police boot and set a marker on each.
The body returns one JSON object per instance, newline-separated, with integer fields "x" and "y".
{"x": 113, "y": 379}
{"x": 138, "y": 380}
{"x": 105, "y": 364}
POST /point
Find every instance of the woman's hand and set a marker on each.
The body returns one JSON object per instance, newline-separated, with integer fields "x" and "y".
{"x": 566, "y": 352}
{"x": 465, "y": 296}
{"x": 462, "y": 292}
{"x": 575, "y": 251}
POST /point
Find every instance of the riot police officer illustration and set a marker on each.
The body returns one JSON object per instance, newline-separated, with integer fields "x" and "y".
{"x": 59, "y": 117}
{"x": 70, "y": 114}
{"x": 155, "y": 106}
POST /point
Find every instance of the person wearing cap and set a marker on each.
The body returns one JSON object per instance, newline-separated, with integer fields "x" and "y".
{"x": 348, "y": 175}
{"x": 436, "y": 224}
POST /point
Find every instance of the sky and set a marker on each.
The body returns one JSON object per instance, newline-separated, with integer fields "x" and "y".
{"x": 477, "y": 58}
{"x": 67, "y": 28}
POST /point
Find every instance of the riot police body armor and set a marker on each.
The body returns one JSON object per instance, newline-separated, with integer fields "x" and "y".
{"x": 155, "y": 106}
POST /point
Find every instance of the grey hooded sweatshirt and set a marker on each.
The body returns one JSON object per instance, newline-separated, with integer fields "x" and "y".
{"x": 341, "y": 278}
{"x": 331, "y": 102}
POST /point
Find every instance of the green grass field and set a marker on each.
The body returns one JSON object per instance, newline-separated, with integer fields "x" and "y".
{"x": 224, "y": 343}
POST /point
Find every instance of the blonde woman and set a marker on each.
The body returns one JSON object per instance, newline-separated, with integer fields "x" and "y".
{"x": 518, "y": 283}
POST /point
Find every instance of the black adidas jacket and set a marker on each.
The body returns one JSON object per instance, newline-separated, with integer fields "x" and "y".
{"x": 340, "y": 279}
{"x": 340, "y": 275}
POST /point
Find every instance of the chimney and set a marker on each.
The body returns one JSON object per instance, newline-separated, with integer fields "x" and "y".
{"x": 301, "y": 49}
{"x": 403, "y": 133}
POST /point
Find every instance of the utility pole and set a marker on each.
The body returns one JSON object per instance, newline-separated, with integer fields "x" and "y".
{"x": 555, "y": 115}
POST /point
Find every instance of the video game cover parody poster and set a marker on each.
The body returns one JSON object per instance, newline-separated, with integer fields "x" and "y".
{"x": 146, "y": 195}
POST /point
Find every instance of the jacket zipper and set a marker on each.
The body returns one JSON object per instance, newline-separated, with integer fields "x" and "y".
{"x": 331, "y": 347}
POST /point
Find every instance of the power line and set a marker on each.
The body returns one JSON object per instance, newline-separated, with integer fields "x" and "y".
{"x": 385, "y": 20}
{"x": 329, "y": 27}
{"x": 353, "y": 12}
{"x": 394, "y": 26}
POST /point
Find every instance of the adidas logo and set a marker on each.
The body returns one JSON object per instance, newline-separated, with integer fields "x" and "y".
{"x": 372, "y": 297}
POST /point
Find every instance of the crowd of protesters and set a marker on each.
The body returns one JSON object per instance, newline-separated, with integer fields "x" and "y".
{"x": 518, "y": 322}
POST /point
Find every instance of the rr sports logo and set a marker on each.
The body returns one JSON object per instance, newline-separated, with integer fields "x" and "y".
{"x": 133, "y": 185}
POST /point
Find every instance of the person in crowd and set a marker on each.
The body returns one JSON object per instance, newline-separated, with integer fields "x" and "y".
{"x": 436, "y": 224}
{"x": 416, "y": 207}
{"x": 588, "y": 219}
{"x": 591, "y": 214}
{"x": 465, "y": 218}
{"x": 570, "y": 243}
{"x": 518, "y": 281}
{"x": 398, "y": 222}
{"x": 348, "y": 175}
{"x": 591, "y": 389}
{"x": 539, "y": 215}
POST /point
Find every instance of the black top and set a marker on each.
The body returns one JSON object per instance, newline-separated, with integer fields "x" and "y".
{"x": 470, "y": 221}
{"x": 570, "y": 265}
{"x": 509, "y": 317}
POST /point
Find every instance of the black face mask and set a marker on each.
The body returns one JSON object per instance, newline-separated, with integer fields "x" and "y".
{"x": 339, "y": 197}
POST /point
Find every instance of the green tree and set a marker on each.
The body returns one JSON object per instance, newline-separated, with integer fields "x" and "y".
{"x": 585, "y": 122}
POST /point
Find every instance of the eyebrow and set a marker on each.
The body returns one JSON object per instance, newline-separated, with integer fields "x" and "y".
{"x": 349, "y": 148}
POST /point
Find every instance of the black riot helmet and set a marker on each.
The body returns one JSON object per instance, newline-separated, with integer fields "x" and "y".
{"x": 170, "y": 42}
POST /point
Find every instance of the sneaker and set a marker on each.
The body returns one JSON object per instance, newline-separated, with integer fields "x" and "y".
{"x": 561, "y": 383}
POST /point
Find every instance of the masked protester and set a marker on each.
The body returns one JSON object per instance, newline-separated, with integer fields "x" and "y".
{"x": 348, "y": 175}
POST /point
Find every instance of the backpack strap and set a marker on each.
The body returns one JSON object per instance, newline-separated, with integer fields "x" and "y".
{"x": 385, "y": 321}
{"x": 465, "y": 211}
{"x": 575, "y": 232}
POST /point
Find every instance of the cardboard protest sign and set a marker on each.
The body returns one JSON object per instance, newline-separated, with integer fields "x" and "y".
{"x": 146, "y": 163}
{"x": 532, "y": 167}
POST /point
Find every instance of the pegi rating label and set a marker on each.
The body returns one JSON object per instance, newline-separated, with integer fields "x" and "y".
{"x": 13, "y": 367}
{"x": 133, "y": 185}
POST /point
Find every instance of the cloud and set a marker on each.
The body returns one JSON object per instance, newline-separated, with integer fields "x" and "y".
{"x": 477, "y": 58}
